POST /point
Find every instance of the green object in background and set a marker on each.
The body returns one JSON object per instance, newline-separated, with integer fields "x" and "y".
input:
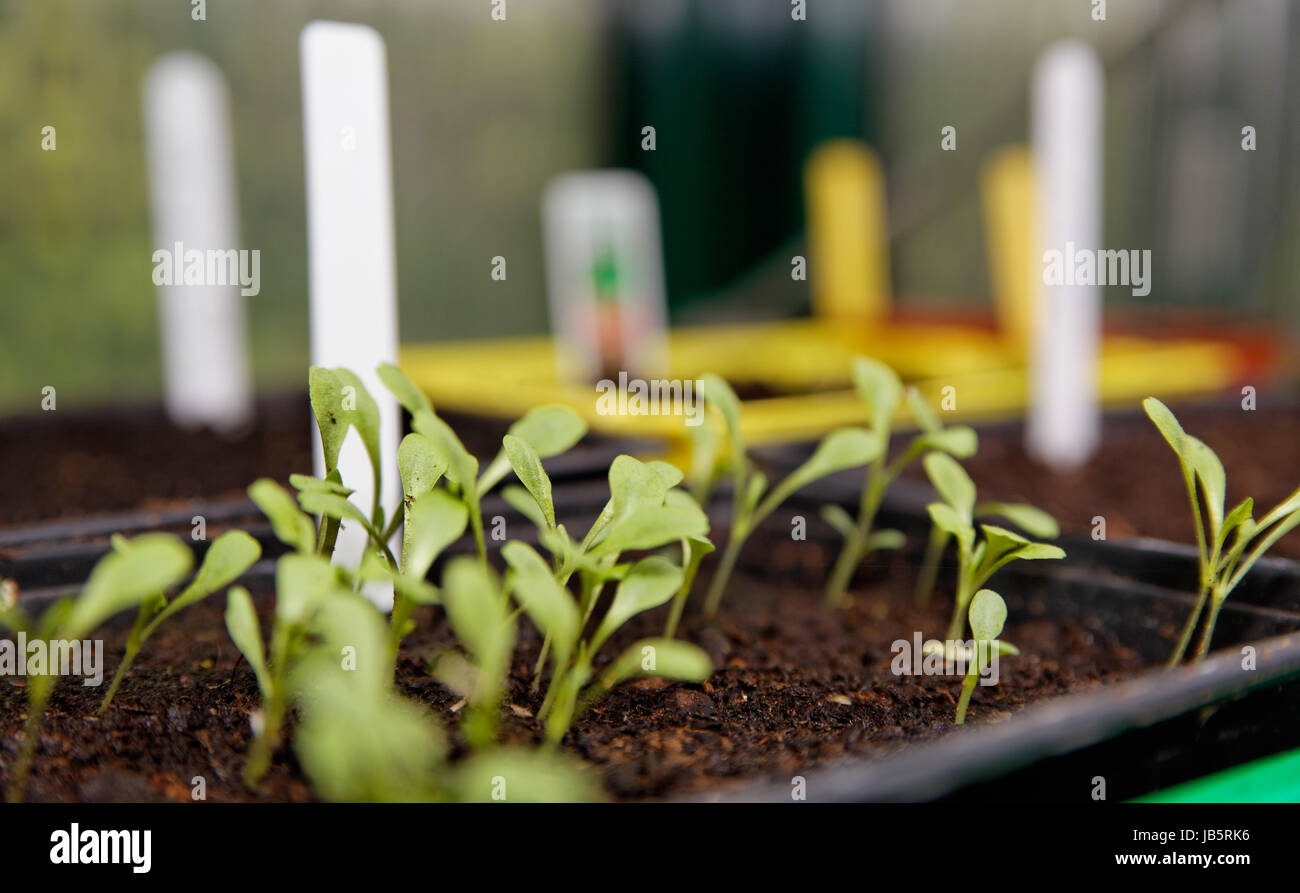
{"x": 1274, "y": 779}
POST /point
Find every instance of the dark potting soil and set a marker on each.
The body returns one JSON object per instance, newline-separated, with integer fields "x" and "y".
{"x": 1134, "y": 480}
{"x": 73, "y": 464}
{"x": 794, "y": 686}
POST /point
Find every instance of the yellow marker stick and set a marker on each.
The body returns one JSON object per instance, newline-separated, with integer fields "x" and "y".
{"x": 1007, "y": 193}
{"x": 848, "y": 239}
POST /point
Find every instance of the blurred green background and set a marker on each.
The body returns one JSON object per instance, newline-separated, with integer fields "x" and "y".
{"x": 484, "y": 113}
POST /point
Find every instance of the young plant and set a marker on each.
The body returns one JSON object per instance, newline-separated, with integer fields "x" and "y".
{"x": 751, "y": 501}
{"x": 228, "y": 557}
{"x": 1033, "y": 521}
{"x": 134, "y": 570}
{"x": 1221, "y": 539}
{"x": 988, "y": 614}
{"x": 880, "y": 389}
{"x": 979, "y": 553}
{"x": 646, "y": 584}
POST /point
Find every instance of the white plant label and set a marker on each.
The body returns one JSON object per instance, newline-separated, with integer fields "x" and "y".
{"x": 605, "y": 276}
{"x": 206, "y": 379}
{"x": 1064, "y": 422}
{"x": 351, "y": 257}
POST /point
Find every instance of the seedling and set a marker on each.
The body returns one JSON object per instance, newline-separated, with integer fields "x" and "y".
{"x": 988, "y": 614}
{"x": 134, "y": 570}
{"x": 227, "y": 558}
{"x": 880, "y": 389}
{"x": 751, "y": 500}
{"x": 979, "y": 553}
{"x": 1033, "y": 521}
{"x": 1221, "y": 540}
{"x": 644, "y": 512}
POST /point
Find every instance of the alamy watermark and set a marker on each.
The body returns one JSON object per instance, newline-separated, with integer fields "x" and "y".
{"x": 53, "y": 657}
{"x": 1102, "y": 266}
{"x": 948, "y": 658}
{"x": 179, "y": 265}
{"x": 655, "y": 396}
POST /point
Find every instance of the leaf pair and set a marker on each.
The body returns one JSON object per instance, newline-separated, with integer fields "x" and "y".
{"x": 979, "y": 557}
{"x": 1221, "y": 539}
{"x": 646, "y": 584}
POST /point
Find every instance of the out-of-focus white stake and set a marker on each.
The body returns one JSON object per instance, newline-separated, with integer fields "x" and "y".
{"x": 1064, "y": 421}
{"x": 350, "y": 241}
{"x": 192, "y": 190}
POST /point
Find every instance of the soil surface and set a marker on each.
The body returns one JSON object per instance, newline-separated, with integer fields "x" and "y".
{"x": 1134, "y": 480}
{"x": 795, "y": 686}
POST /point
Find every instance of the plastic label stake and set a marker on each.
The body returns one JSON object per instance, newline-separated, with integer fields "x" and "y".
{"x": 604, "y": 274}
{"x": 192, "y": 192}
{"x": 1064, "y": 421}
{"x": 848, "y": 233}
{"x": 350, "y": 241}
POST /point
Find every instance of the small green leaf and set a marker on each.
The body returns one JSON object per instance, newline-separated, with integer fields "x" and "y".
{"x": 946, "y": 518}
{"x": 148, "y": 564}
{"x": 1209, "y": 471}
{"x": 461, "y": 467}
{"x": 922, "y": 412}
{"x": 952, "y": 482}
{"x": 960, "y": 441}
{"x": 839, "y": 519}
{"x": 413, "y": 399}
{"x": 522, "y": 501}
{"x": 886, "y": 539}
{"x": 419, "y": 465}
{"x": 550, "y": 430}
{"x": 718, "y": 395}
{"x": 339, "y": 400}
{"x": 332, "y": 506}
{"x": 230, "y": 555}
{"x": 652, "y": 527}
{"x": 528, "y": 467}
{"x": 663, "y": 658}
{"x": 515, "y": 775}
{"x": 291, "y": 526}
{"x": 1033, "y": 521}
{"x": 988, "y": 614}
{"x": 648, "y": 584}
{"x": 879, "y": 388}
{"x": 246, "y": 633}
{"x": 435, "y": 521}
{"x": 307, "y": 482}
{"x": 302, "y": 584}
{"x": 1286, "y": 507}
{"x": 839, "y": 450}
{"x": 667, "y": 471}
{"x": 1166, "y": 423}
{"x": 547, "y": 604}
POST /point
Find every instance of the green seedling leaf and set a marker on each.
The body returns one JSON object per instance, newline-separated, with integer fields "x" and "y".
{"x": 550, "y": 430}
{"x": 953, "y": 484}
{"x": 482, "y": 622}
{"x": 302, "y": 584}
{"x": 988, "y": 614}
{"x": 946, "y": 518}
{"x": 148, "y": 564}
{"x": 648, "y": 584}
{"x": 718, "y": 395}
{"x": 315, "y": 484}
{"x": 515, "y": 775}
{"x": 664, "y": 658}
{"x": 879, "y": 388}
{"x": 960, "y": 441}
{"x": 246, "y": 633}
{"x": 1033, "y": 521}
{"x": 339, "y": 400}
{"x": 528, "y": 467}
{"x": 546, "y": 603}
{"x": 522, "y": 501}
{"x": 922, "y": 413}
{"x": 291, "y": 526}
{"x": 839, "y": 519}
{"x": 1002, "y": 546}
{"x": 227, "y": 558}
{"x": 461, "y": 467}
{"x": 1209, "y": 471}
{"x": 839, "y": 450}
{"x": 1284, "y": 508}
{"x": 419, "y": 464}
{"x": 412, "y": 398}
{"x": 330, "y": 506}
{"x": 652, "y": 527}
{"x": 667, "y": 471}
{"x": 435, "y": 521}
{"x": 886, "y": 539}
